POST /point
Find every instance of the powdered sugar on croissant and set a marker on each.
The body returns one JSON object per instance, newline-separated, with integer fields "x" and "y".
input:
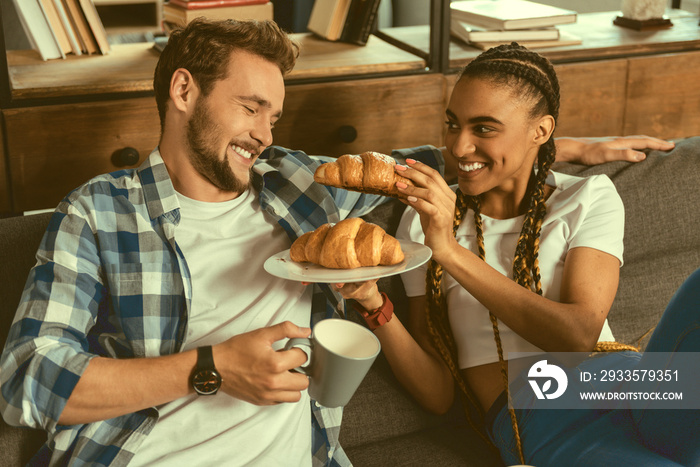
{"x": 370, "y": 172}
{"x": 349, "y": 244}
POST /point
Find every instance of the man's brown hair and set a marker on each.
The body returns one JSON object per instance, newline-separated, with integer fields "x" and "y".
{"x": 204, "y": 48}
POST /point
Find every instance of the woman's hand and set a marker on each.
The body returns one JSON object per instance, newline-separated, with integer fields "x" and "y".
{"x": 434, "y": 201}
{"x": 366, "y": 294}
{"x": 593, "y": 151}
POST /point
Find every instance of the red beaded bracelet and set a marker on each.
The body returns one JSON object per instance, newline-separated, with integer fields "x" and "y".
{"x": 378, "y": 317}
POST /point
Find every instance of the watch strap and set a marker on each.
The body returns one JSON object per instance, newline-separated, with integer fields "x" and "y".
{"x": 377, "y": 317}
{"x": 205, "y": 358}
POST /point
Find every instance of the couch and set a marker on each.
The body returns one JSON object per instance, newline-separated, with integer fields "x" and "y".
{"x": 382, "y": 425}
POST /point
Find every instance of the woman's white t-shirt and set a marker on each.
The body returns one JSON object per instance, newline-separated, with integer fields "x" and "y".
{"x": 581, "y": 212}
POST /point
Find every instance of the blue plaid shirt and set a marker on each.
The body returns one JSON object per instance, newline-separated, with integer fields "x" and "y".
{"x": 91, "y": 294}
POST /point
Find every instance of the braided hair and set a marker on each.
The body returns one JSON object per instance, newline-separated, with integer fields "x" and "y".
{"x": 533, "y": 76}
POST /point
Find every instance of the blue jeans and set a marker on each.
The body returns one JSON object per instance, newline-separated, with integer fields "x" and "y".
{"x": 615, "y": 437}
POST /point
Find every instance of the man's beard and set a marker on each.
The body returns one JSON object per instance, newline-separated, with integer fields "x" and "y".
{"x": 201, "y": 130}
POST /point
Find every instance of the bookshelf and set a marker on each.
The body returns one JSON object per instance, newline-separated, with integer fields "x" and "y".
{"x": 130, "y": 16}
{"x": 64, "y": 121}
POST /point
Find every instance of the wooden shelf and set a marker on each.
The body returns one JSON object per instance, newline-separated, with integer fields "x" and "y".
{"x": 129, "y": 67}
{"x": 601, "y": 39}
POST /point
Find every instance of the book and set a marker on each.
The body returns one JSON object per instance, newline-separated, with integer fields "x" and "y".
{"x": 159, "y": 43}
{"x": 38, "y": 29}
{"x": 49, "y": 8}
{"x": 169, "y": 27}
{"x": 510, "y": 14}
{"x": 68, "y": 28}
{"x": 199, "y": 4}
{"x": 96, "y": 26}
{"x": 181, "y": 16}
{"x": 564, "y": 40}
{"x": 471, "y": 33}
{"x": 360, "y": 21}
{"x": 328, "y": 18}
{"x": 81, "y": 25}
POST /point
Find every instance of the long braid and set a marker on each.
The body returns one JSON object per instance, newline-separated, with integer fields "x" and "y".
{"x": 514, "y": 66}
{"x": 476, "y": 205}
{"x": 438, "y": 323}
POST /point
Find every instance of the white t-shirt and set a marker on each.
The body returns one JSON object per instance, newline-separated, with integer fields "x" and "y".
{"x": 581, "y": 212}
{"x": 225, "y": 245}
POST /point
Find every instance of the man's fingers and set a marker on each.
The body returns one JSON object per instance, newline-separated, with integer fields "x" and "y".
{"x": 292, "y": 358}
{"x": 287, "y": 391}
{"x": 283, "y": 330}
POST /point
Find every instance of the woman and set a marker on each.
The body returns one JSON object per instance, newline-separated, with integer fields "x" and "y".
{"x": 524, "y": 260}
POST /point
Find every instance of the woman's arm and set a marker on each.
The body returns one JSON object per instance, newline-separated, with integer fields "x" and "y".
{"x": 572, "y": 324}
{"x": 589, "y": 280}
{"x": 589, "y": 151}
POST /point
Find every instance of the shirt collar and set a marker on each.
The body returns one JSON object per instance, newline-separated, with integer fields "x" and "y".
{"x": 159, "y": 193}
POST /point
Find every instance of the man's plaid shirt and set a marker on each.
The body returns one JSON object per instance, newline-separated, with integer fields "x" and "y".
{"x": 111, "y": 281}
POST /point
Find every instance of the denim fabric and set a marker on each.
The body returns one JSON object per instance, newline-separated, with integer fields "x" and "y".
{"x": 617, "y": 437}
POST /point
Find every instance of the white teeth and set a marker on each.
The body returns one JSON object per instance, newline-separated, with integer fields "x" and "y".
{"x": 242, "y": 152}
{"x": 469, "y": 167}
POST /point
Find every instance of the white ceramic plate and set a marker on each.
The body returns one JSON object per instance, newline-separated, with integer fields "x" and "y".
{"x": 281, "y": 265}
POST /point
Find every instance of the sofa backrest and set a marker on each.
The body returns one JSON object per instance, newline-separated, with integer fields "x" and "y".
{"x": 662, "y": 232}
{"x": 19, "y": 240}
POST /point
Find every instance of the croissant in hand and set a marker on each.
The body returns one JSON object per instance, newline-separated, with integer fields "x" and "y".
{"x": 370, "y": 172}
{"x": 349, "y": 244}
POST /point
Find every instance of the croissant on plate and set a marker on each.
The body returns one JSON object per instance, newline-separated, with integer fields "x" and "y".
{"x": 370, "y": 172}
{"x": 349, "y": 244}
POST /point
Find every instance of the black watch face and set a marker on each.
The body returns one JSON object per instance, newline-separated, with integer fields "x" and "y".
{"x": 206, "y": 382}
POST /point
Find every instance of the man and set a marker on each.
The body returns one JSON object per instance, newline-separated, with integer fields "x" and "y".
{"x": 149, "y": 333}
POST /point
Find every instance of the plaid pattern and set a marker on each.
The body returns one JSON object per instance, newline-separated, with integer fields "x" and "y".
{"x": 111, "y": 281}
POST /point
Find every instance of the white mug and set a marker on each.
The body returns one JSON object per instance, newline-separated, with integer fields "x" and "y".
{"x": 341, "y": 353}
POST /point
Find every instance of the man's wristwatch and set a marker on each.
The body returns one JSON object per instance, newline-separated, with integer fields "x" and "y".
{"x": 205, "y": 379}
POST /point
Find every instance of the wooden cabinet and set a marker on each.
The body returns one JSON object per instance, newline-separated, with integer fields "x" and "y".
{"x": 53, "y": 149}
{"x": 361, "y": 115}
{"x": 663, "y": 96}
{"x": 592, "y": 98}
{"x": 5, "y": 204}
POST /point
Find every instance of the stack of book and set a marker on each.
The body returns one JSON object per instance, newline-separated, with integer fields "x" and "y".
{"x": 177, "y": 13}
{"x": 344, "y": 20}
{"x": 56, "y": 28}
{"x": 488, "y": 23}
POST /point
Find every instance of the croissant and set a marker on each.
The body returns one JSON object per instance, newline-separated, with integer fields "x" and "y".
{"x": 370, "y": 172}
{"x": 349, "y": 244}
